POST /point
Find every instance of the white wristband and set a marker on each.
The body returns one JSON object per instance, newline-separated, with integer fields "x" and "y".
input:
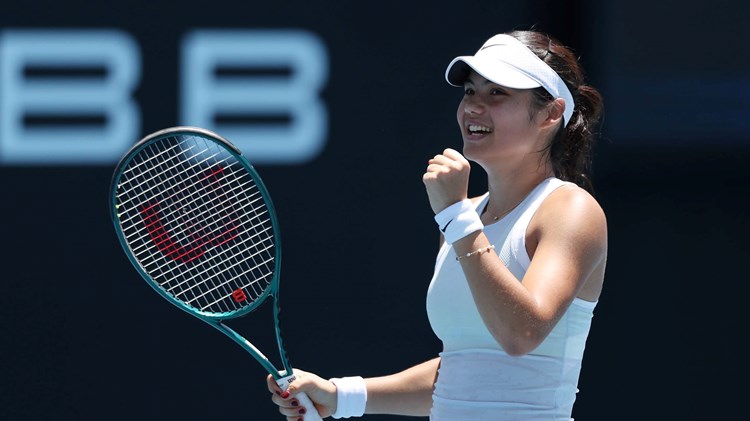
{"x": 351, "y": 397}
{"x": 458, "y": 220}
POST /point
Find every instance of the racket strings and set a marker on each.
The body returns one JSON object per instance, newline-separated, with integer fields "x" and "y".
{"x": 164, "y": 263}
{"x": 141, "y": 180}
{"x": 168, "y": 181}
{"x": 182, "y": 229}
{"x": 210, "y": 292}
{"x": 194, "y": 281}
{"x": 164, "y": 234}
{"x": 197, "y": 224}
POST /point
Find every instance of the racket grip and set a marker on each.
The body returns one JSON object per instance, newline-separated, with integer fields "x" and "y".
{"x": 304, "y": 400}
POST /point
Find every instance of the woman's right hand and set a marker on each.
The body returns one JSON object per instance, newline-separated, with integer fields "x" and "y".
{"x": 322, "y": 392}
{"x": 446, "y": 179}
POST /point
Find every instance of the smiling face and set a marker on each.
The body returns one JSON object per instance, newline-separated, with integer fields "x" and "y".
{"x": 498, "y": 124}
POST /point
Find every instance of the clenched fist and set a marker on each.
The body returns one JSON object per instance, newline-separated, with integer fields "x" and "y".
{"x": 446, "y": 179}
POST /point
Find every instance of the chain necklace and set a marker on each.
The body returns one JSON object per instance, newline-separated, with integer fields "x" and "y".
{"x": 507, "y": 211}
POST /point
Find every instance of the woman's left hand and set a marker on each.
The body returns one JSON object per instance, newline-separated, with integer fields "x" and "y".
{"x": 446, "y": 179}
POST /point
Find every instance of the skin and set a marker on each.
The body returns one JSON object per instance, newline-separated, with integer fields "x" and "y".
{"x": 566, "y": 240}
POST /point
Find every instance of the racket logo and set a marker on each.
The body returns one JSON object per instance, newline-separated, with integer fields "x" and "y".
{"x": 200, "y": 238}
{"x": 239, "y": 295}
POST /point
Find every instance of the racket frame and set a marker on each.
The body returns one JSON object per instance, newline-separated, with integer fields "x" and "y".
{"x": 214, "y": 319}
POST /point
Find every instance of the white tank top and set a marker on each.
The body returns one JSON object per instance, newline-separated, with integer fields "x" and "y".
{"x": 477, "y": 379}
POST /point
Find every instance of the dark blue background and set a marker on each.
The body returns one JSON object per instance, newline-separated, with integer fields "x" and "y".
{"x": 83, "y": 338}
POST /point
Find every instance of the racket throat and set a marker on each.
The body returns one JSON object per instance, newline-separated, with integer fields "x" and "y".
{"x": 249, "y": 347}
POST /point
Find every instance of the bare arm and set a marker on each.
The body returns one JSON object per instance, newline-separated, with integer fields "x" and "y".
{"x": 567, "y": 243}
{"x": 408, "y": 392}
{"x": 568, "y": 236}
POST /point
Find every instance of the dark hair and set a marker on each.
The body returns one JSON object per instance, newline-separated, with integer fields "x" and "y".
{"x": 571, "y": 148}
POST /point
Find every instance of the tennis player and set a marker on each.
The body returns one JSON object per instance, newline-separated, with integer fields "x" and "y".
{"x": 521, "y": 267}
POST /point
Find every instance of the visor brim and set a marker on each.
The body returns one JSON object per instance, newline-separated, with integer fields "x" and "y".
{"x": 493, "y": 70}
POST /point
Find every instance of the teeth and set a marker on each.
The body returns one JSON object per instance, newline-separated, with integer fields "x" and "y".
{"x": 477, "y": 128}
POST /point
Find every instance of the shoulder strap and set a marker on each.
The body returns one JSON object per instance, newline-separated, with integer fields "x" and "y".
{"x": 518, "y": 233}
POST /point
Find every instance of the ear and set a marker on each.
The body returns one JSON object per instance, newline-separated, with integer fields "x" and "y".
{"x": 554, "y": 112}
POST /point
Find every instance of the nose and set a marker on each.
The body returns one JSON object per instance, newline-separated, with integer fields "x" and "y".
{"x": 473, "y": 105}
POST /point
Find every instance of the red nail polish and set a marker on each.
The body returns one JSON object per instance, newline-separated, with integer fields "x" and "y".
{"x": 295, "y": 403}
{"x": 285, "y": 395}
{"x": 302, "y": 411}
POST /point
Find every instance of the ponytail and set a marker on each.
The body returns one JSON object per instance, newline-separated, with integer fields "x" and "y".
{"x": 571, "y": 148}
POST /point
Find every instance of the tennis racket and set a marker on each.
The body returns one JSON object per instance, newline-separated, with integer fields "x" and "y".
{"x": 198, "y": 224}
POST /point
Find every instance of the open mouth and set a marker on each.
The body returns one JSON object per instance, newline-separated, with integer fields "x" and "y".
{"x": 478, "y": 129}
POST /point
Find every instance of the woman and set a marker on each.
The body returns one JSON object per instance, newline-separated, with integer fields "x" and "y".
{"x": 521, "y": 267}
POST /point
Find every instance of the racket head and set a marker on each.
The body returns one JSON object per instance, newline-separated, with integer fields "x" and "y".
{"x": 197, "y": 222}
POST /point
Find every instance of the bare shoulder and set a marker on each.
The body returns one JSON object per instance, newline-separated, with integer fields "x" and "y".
{"x": 570, "y": 204}
{"x": 573, "y": 213}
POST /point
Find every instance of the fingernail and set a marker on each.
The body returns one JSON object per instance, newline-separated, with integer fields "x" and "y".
{"x": 295, "y": 403}
{"x": 285, "y": 395}
{"x": 302, "y": 411}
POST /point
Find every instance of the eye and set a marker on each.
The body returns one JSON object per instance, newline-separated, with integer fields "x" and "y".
{"x": 498, "y": 91}
{"x": 468, "y": 91}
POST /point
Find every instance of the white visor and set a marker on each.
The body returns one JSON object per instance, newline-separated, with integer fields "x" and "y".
{"x": 505, "y": 61}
